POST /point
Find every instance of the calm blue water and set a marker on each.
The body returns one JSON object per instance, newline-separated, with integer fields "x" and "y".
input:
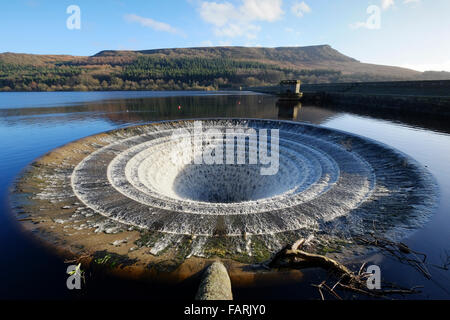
{"x": 32, "y": 124}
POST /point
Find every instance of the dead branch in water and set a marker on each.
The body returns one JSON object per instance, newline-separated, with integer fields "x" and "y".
{"x": 399, "y": 250}
{"x": 293, "y": 257}
{"x": 83, "y": 258}
{"x": 296, "y": 258}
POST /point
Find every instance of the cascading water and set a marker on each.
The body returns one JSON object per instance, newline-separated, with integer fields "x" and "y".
{"x": 328, "y": 183}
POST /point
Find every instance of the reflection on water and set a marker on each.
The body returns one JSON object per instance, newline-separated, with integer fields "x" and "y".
{"x": 401, "y": 117}
{"x": 289, "y": 109}
{"x": 141, "y": 109}
{"x": 148, "y": 109}
{"x": 31, "y": 124}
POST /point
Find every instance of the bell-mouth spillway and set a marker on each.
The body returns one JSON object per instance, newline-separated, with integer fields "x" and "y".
{"x": 150, "y": 191}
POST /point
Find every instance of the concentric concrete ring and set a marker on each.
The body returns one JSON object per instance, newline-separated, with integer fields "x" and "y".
{"x": 328, "y": 182}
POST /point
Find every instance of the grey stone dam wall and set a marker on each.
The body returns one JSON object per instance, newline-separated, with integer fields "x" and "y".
{"x": 428, "y": 97}
{"x": 439, "y": 88}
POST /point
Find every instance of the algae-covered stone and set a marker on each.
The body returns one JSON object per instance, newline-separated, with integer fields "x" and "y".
{"x": 216, "y": 284}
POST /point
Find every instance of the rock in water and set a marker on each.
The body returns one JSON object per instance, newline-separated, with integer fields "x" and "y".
{"x": 216, "y": 284}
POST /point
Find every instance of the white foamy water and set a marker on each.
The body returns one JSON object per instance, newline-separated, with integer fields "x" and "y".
{"x": 328, "y": 181}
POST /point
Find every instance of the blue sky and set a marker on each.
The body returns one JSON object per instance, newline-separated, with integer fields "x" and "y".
{"x": 410, "y": 33}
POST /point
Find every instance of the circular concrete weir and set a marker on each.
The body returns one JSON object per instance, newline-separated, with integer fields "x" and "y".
{"x": 168, "y": 191}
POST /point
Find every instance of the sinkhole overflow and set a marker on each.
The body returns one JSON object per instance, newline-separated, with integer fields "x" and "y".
{"x": 236, "y": 188}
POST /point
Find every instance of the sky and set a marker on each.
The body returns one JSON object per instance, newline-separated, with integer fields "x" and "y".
{"x": 407, "y": 33}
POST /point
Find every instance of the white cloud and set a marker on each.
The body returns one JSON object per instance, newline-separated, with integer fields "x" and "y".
{"x": 233, "y": 30}
{"x": 300, "y": 8}
{"x": 373, "y": 21}
{"x": 218, "y": 14}
{"x": 239, "y": 21}
{"x": 263, "y": 10}
{"x": 150, "y": 23}
{"x": 386, "y": 4}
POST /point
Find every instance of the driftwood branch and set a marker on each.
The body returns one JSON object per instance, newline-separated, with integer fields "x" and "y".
{"x": 398, "y": 250}
{"x": 291, "y": 256}
{"x": 298, "y": 259}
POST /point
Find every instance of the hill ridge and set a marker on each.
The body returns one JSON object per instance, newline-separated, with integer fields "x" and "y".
{"x": 200, "y": 68}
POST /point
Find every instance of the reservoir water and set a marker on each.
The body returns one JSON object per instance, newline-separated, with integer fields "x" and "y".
{"x": 31, "y": 124}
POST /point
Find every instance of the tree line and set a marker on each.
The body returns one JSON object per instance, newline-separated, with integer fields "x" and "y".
{"x": 157, "y": 73}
